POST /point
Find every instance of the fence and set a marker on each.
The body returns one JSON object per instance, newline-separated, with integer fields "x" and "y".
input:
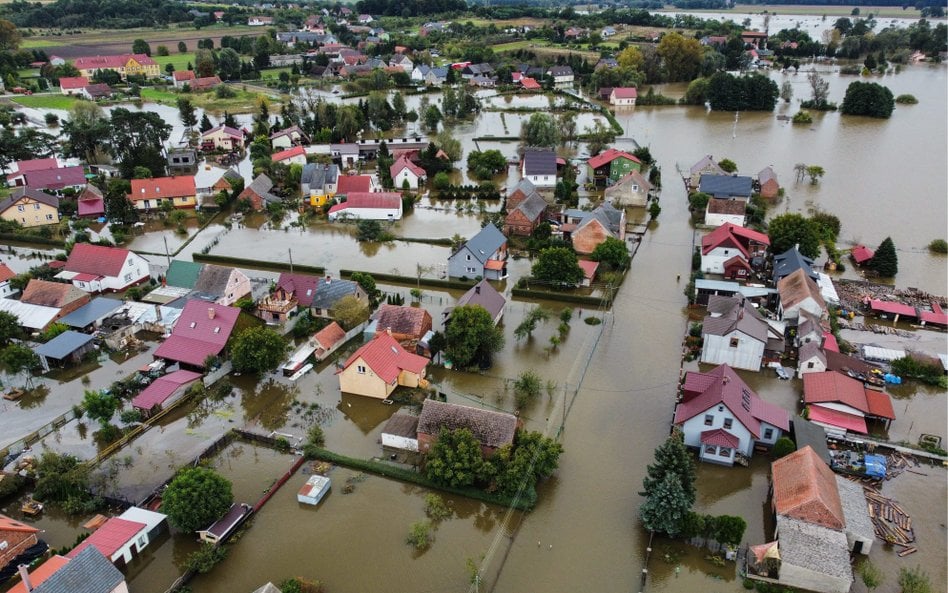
{"x": 218, "y": 374}
{"x": 44, "y": 431}
{"x": 257, "y": 264}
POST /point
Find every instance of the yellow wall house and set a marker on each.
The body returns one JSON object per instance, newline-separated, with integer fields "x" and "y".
{"x": 30, "y": 208}
{"x": 378, "y": 367}
{"x": 125, "y": 64}
{"x": 148, "y": 194}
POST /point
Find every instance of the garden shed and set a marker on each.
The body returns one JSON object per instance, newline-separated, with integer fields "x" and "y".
{"x": 69, "y": 346}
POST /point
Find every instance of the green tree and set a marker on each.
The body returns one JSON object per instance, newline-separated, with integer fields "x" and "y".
{"x": 486, "y": 164}
{"x": 631, "y": 57}
{"x": 137, "y": 138}
{"x": 728, "y": 166}
{"x": 613, "y": 253}
{"x": 228, "y": 64}
{"x": 787, "y": 230}
{"x": 681, "y": 57}
{"x": 814, "y": 172}
{"x": 9, "y": 36}
{"x": 540, "y": 130}
{"x": 182, "y": 47}
{"x": 118, "y": 208}
{"x": 666, "y": 506}
{"x": 886, "y": 262}
{"x": 558, "y": 266}
{"x": 671, "y": 458}
{"x": 349, "y": 311}
{"x": 729, "y": 530}
{"x": 61, "y": 477}
{"x": 914, "y": 580}
{"x": 9, "y": 327}
{"x": 187, "y": 112}
{"x": 599, "y": 137}
{"x": 367, "y": 282}
{"x": 527, "y": 388}
{"x": 455, "y": 459}
{"x": 257, "y": 350}
{"x": 140, "y": 46}
{"x": 368, "y": 230}
{"x": 18, "y": 359}
{"x": 471, "y": 337}
{"x": 654, "y": 210}
{"x": 432, "y": 117}
{"x": 195, "y": 498}
{"x": 783, "y": 447}
{"x": 868, "y": 98}
{"x": 205, "y": 123}
{"x": 532, "y": 456}
{"x": 697, "y": 92}
{"x": 530, "y": 322}
{"x": 100, "y": 406}
{"x": 786, "y": 91}
{"x": 86, "y": 132}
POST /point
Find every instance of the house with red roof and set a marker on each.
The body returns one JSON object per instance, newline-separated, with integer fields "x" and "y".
{"x": 861, "y": 255}
{"x": 529, "y": 84}
{"x": 729, "y": 240}
{"x": 328, "y": 339}
{"x": 20, "y": 167}
{"x": 18, "y": 537}
{"x": 294, "y": 155}
{"x": 368, "y": 206}
{"x": 148, "y": 194}
{"x": 609, "y": 166}
{"x": 125, "y": 64}
{"x": 46, "y": 174}
{"x": 72, "y": 85}
{"x": 798, "y": 292}
{"x": 164, "y": 390}
{"x": 205, "y": 83}
{"x": 222, "y": 138}
{"x": 381, "y": 365}
{"x": 201, "y": 331}
{"x": 91, "y": 202}
{"x": 724, "y": 419}
{"x": 347, "y": 184}
{"x": 6, "y": 274}
{"x": 122, "y": 538}
{"x": 623, "y": 96}
{"x": 183, "y": 77}
{"x": 96, "y": 268}
{"x": 842, "y": 404}
{"x": 88, "y": 572}
{"x": 403, "y": 170}
{"x": 285, "y": 138}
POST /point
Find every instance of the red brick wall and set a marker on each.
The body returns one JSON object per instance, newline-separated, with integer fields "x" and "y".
{"x": 517, "y": 224}
{"x": 17, "y": 542}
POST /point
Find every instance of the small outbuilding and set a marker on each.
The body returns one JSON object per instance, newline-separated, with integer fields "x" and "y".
{"x": 68, "y": 347}
{"x": 314, "y": 490}
{"x": 222, "y": 528}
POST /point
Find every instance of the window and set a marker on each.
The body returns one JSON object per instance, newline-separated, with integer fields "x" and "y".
{"x": 360, "y": 369}
{"x": 708, "y": 419}
{"x": 468, "y": 257}
{"x": 49, "y": 217}
{"x": 728, "y": 422}
{"x": 768, "y": 433}
{"x": 142, "y": 542}
{"x": 36, "y": 206}
{"x": 724, "y": 452}
{"x": 735, "y": 342}
{"x": 21, "y": 208}
{"x": 710, "y": 450}
{"x": 128, "y": 277}
{"x": 809, "y": 365}
{"x": 726, "y": 252}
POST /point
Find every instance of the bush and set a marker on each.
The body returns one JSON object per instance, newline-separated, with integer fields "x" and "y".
{"x": 592, "y": 320}
{"x": 316, "y": 436}
{"x": 419, "y": 535}
{"x": 906, "y": 99}
{"x": 938, "y": 246}
{"x": 205, "y": 558}
{"x": 526, "y": 388}
{"x": 783, "y": 447}
{"x": 436, "y": 508}
{"x": 802, "y": 117}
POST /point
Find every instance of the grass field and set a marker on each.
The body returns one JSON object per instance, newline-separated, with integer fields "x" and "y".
{"x": 180, "y": 61}
{"x": 515, "y": 45}
{"x": 37, "y": 42}
{"x": 159, "y": 96}
{"x": 62, "y": 102}
{"x": 244, "y": 102}
{"x": 155, "y": 37}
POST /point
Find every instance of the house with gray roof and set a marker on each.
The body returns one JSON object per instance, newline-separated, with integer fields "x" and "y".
{"x": 539, "y": 166}
{"x": 483, "y": 256}
{"x": 706, "y": 165}
{"x": 483, "y": 295}
{"x": 789, "y": 262}
{"x": 492, "y": 430}
{"x": 727, "y": 187}
{"x": 735, "y": 334}
{"x": 330, "y": 290}
{"x": 527, "y": 215}
{"x": 89, "y": 316}
{"x": 88, "y": 572}
{"x": 259, "y": 193}
{"x": 318, "y": 180}
{"x": 222, "y": 285}
{"x": 605, "y": 222}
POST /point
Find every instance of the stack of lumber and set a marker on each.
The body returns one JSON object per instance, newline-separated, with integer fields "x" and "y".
{"x": 892, "y": 524}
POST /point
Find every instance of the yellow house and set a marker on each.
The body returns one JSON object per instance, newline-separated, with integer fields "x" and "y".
{"x": 125, "y": 64}
{"x": 148, "y": 194}
{"x": 379, "y": 366}
{"x": 321, "y": 183}
{"x": 30, "y": 208}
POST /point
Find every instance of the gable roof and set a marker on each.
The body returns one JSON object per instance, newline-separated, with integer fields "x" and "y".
{"x": 353, "y": 184}
{"x": 376, "y": 200}
{"x": 183, "y": 273}
{"x": 50, "y": 294}
{"x": 804, "y": 488}
{"x": 330, "y": 290}
{"x": 183, "y": 75}
{"x": 723, "y": 385}
{"x": 95, "y": 309}
{"x": 386, "y": 357}
{"x": 213, "y": 279}
{"x": 726, "y": 185}
{"x": 73, "y": 82}
{"x": 87, "y": 572}
{"x": 490, "y": 428}
{"x": 706, "y": 163}
{"x": 41, "y": 574}
{"x": 5, "y": 272}
{"x": 289, "y": 153}
{"x": 835, "y": 387}
{"x": 485, "y": 243}
{"x": 35, "y": 165}
{"x": 402, "y": 319}
{"x": 54, "y": 179}
{"x": 796, "y": 287}
{"x": 31, "y": 194}
{"x": 623, "y": 92}
{"x": 404, "y": 163}
{"x": 162, "y": 388}
{"x": 202, "y": 330}
{"x": 630, "y": 177}
{"x": 736, "y": 235}
{"x": 532, "y": 207}
{"x": 91, "y": 201}
{"x": 736, "y": 314}
{"x": 766, "y": 174}
{"x": 109, "y": 538}
{"x": 486, "y": 296}
{"x": 63, "y": 345}
{"x": 726, "y": 206}
{"x": 861, "y": 254}
{"x": 530, "y": 83}
{"x": 112, "y": 61}
{"x": 539, "y": 162}
{"x": 227, "y": 130}
{"x": 330, "y": 335}
{"x": 606, "y": 157}
{"x": 8, "y": 524}
{"x": 790, "y": 261}
{"x": 162, "y": 187}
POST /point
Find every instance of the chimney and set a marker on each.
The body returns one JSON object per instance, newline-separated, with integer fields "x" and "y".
{"x": 25, "y": 577}
{"x": 477, "y": 289}
{"x": 211, "y": 312}
{"x": 328, "y": 279}
{"x": 725, "y": 380}
{"x": 388, "y": 330}
{"x": 158, "y": 312}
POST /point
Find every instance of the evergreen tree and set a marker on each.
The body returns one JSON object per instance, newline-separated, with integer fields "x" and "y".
{"x": 886, "y": 261}
{"x": 206, "y": 123}
{"x": 666, "y": 507}
{"x": 671, "y": 457}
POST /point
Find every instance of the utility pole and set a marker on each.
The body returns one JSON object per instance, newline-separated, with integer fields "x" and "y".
{"x": 167, "y": 255}
{"x": 290, "y": 252}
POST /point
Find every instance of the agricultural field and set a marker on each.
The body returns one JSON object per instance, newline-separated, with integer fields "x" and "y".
{"x": 52, "y": 101}
{"x": 180, "y": 61}
{"x": 813, "y": 9}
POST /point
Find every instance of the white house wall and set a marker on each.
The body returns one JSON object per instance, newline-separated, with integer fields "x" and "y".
{"x": 693, "y": 428}
{"x": 713, "y": 262}
{"x": 747, "y": 355}
{"x": 717, "y": 220}
{"x": 811, "y": 365}
{"x": 369, "y": 213}
{"x": 399, "y": 442}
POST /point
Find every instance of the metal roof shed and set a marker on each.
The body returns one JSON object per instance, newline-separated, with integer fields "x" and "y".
{"x": 92, "y": 313}
{"x": 69, "y": 345}
{"x": 313, "y": 490}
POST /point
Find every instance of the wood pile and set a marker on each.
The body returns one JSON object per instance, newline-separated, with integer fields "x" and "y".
{"x": 892, "y": 524}
{"x": 897, "y": 463}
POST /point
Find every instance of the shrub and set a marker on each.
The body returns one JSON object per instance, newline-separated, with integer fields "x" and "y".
{"x": 592, "y": 321}
{"x": 526, "y": 388}
{"x": 436, "y": 508}
{"x": 205, "y": 558}
{"x": 802, "y": 117}
{"x": 906, "y": 99}
{"x": 938, "y": 246}
{"x": 316, "y": 436}
{"x": 783, "y": 447}
{"x": 419, "y": 535}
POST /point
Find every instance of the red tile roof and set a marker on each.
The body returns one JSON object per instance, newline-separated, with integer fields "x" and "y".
{"x": 162, "y": 388}
{"x": 91, "y": 201}
{"x": 719, "y": 438}
{"x": 892, "y": 308}
{"x": 6, "y": 273}
{"x": 404, "y": 163}
{"x": 382, "y": 200}
{"x": 35, "y": 165}
{"x": 109, "y": 538}
{"x": 933, "y": 318}
{"x": 162, "y": 188}
{"x": 724, "y": 385}
{"x": 861, "y": 254}
{"x": 805, "y": 488}
{"x": 288, "y": 154}
{"x": 330, "y": 335}
{"x": 530, "y": 83}
{"x": 8, "y": 524}
{"x": 51, "y": 294}
{"x": 353, "y": 183}
{"x": 833, "y": 387}
{"x": 625, "y": 92}
{"x": 589, "y": 268}
{"x": 197, "y": 334}
{"x": 96, "y": 259}
{"x": 829, "y": 342}
{"x": 55, "y": 178}
{"x": 73, "y": 82}
{"x": 831, "y": 417}
{"x": 386, "y": 357}
{"x": 182, "y": 75}
{"x": 43, "y": 572}
{"x": 604, "y": 158}
{"x": 229, "y": 131}
{"x": 738, "y": 236}
{"x": 115, "y": 61}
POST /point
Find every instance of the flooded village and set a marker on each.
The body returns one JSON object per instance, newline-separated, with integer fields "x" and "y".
{"x": 395, "y": 309}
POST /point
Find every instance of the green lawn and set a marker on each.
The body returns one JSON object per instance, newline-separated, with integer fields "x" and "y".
{"x": 515, "y": 45}
{"x": 274, "y": 73}
{"x": 180, "y": 61}
{"x": 28, "y": 73}
{"x": 63, "y": 102}
{"x": 37, "y": 42}
{"x": 244, "y": 102}
{"x": 159, "y": 96}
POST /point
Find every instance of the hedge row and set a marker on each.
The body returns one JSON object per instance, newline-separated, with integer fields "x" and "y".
{"x": 256, "y": 264}
{"x": 394, "y": 278}
{"x": 32, "y": 240}
{"x": 581, "y": 299}
{"x": 442, "y": 242}
{"x": 397, "y": 473}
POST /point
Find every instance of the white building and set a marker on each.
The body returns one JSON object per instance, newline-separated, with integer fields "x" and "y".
{"x": 404, "y": 170}
{"x": 728, "y": 240}
{"x": 798, "y": 292}
{"x": 539, "y": 167}
{"x": 369, "y": 206}
{"x": 313, "y": 490}
{"x": 95, "y": 268}
{"x": 735, "y": 334}
{"x": 401, "y": 433}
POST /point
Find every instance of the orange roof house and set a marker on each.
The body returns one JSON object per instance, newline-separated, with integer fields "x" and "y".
{"x": 148, "y": 194}
{"x": 805, "y": 489}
